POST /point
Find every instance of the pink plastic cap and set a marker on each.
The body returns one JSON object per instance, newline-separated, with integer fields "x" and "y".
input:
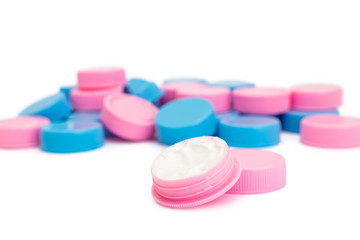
{"x": 21, "y": 132}
{"x": 262, "y": 172}
{"x": 197, "y": 189}
{"x": 101, "y": 78}
{"x": 171, "y": 89}
{"x": 330, "y": 131}
{"x": 91, "y": 100}
{"x": 315, "y": 97}
{"x": 220, "y": 97}
{"x": 129, "y": 117}
{"x": 261, "y": 100}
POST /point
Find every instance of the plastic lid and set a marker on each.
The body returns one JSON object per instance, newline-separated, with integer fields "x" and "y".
{"x": 290, "y": 121}
{"x": 194, "y": 172}
{"x": 84, "y": 100}
{"x": 250, "y": 131}
{"x": 313, "y": 97}
{"x": 129, "y": 117}
{"x": 101, "y": 78}
{"x": 185, "y": 118}
{"x": 55, "y": 107}
{"x": 72, "y": 136}
{"x": 330, "y": 131}
{"x": 171, "y": 89}
{"x": 219, "y": 97}
{"x": 21, "y": 132}
{"x": 66, "y": 91}
{"x": 262, "y": 100}
{"x": 262, "y": 171}
{"x": 144, "y": 89}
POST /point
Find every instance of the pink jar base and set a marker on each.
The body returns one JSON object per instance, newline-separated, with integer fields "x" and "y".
{"x": 204, "y": 199}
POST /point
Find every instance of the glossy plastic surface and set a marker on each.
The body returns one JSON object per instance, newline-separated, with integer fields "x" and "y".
{"x": 250, "y": 131}
{"x": 55, "y": 107}
{"x": 185, "y": 118}
{"x": 72, "y": 136}
{"x": 262, "y": 172}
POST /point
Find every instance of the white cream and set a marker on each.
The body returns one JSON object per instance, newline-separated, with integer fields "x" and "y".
{"x": 189, "y": 158}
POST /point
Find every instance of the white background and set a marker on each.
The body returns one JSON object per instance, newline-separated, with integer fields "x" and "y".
{"x": 105, "y": 194}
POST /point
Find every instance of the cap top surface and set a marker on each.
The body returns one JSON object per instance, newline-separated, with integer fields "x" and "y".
{"x": 261, "y": 91}
{"x": 184, "y": 112}
{"x": 23, "y": 122}
{"x": 132, "y": 108}
{"x": 315, "y": 88}
{"x": 332, "y": 121}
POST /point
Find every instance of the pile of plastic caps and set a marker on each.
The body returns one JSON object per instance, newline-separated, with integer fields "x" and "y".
{"x": 187, "y": 113}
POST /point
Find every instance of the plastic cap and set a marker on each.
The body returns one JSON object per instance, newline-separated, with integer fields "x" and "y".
{"x": 84, "y": 100}
{"x": 196, "y": 190}
{"x": 55, "y": 107}
{"x": 219, "y": 97}
{"x": 21, "y": 132}
{"x": 290, "y": 121}
{"x": 270, "y": 101}
{"x": 313, "y": 97}
{"x": 185, "y": 118}
{"x": 262, "y": 171}
{"x": 330, "y": 131}
{"x": 144, "y": 89}
{"x": 250, "y": 131}
{"x": 129, "y": 117}
{"x": 101, "y": 78}
{"x": 72, "y": 136}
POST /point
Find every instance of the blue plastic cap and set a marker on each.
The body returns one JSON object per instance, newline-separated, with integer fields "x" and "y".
{"x": 185, "y": 118}
{"x": 144, "y": 89}
{"x": 291, "y": 120}
{"x": 72, "y": 136}
{"x": 55, "y": 107}
{"x": 66, "y": 91}
{"x": 250, "y": 131}
{"x": 185, "y": 79}
{"x": 233, "y": 84}
{"x": 89, "y": 116}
